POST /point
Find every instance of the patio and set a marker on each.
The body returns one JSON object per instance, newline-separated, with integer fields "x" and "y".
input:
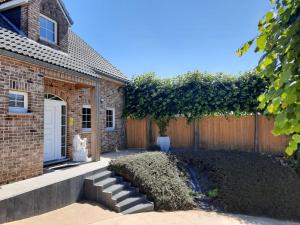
{"x": 85, "y": 213}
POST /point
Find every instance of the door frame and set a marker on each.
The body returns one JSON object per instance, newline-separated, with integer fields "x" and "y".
{"x": 53, "y": 99}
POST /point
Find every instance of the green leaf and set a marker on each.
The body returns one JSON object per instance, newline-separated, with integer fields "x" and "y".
{"x": 269, "y": 16}
{"x": 267, "y": 61}
{"x": 261, "y": 98}
{"x": 261, "y": 42}
{"x": 241, "y": 51}
{"x": 296, "y": 138}
{"x": 292, "y": 148}
{"x": 290, "y": 151}
{"x": 261, "y": 26}
{"x": 271, "y": 108}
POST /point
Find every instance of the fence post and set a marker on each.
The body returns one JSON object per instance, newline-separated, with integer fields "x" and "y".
{"x": 256, "y": 133}
{"x": 148, "y": 131}
{"x": 196, "y": 133}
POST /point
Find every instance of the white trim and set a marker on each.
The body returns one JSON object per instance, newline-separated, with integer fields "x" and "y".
{"x": 87, "y": 130}
{"x": 114, "y": 120}
{"x": 55, "y": 30}
{"x": 61, "y": 100}
{"x": 12, "y": 4}
{"x": 19, "y": 109}
{"x": 87, "y": 106}
{"x": 64, "y": 12}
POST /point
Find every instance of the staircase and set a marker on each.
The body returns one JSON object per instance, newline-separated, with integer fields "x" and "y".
{"x": 116, "y": 194}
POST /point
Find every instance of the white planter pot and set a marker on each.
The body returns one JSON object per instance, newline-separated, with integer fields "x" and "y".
{"x": 164, "y": 143}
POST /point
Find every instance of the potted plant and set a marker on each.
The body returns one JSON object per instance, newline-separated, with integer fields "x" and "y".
{"x": 163, "y": 140}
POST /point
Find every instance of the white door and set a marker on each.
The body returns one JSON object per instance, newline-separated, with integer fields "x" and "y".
{"x": 52, "y": 130}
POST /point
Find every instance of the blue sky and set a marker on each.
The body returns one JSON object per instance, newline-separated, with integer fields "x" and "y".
{"x": 170, "y": 37}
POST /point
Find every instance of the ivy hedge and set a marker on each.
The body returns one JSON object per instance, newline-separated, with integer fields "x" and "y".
{"x": 192, "y": 95}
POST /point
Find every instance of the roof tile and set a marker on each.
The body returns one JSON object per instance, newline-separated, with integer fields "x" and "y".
{"x": 80, "y": 57}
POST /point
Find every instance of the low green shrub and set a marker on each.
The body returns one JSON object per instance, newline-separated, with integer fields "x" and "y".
{"x": 249, "y": 183}
{"x": 156, "y": 175}
{"x": 153, "y": 148}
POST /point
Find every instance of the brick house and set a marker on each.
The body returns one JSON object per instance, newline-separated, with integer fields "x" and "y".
{"x": 52, "y": 86}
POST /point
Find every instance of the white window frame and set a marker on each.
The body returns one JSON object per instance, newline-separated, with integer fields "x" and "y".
{"x": 19, "y": 109}
{"x": 55, "y": 30}
{"x": 114, "y": 120}
{"x": 87, "y": 130}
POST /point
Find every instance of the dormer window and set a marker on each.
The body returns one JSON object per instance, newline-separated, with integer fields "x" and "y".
{"x": 48, "y": 29}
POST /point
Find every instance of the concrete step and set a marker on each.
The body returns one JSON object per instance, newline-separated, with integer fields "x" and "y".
{"x": 122, "y": 195}
{"x": 99, "y": 176}
{"x": 130, "y": 202}
{"x": 142, "y": 207}
{"x": 107, "y": 182}
{"x": 116, "y": 188}
{"x": 116, "y": 194}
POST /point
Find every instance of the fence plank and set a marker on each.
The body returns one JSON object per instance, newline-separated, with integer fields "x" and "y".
{"x": 230, "y": 133}
{"x": 136, "y": 133}
{"x": 268, "y": 142}
{"x": 214, "y": 132}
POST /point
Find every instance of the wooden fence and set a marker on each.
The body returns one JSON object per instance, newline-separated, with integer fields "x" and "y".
{"x": 249, "y": 133}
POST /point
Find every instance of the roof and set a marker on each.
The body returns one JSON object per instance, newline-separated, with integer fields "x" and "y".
{"x": 80, "y": 57}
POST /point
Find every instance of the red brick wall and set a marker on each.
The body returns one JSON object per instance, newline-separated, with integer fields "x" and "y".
{"x": 21, "y": 136}
{"x": 112, "y": 97}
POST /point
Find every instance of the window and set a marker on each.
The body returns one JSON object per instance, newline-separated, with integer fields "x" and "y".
{"x": 110, "y": 119}
{"x": 18, "y": 102}
{"x": 48, "y": 29}
{"x": 86, "y": 118}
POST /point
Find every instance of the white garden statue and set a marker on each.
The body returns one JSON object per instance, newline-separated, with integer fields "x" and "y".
{"x": 80, "y": 152}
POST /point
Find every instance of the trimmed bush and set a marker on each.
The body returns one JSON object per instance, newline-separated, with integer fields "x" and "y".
{"x": 249, "y": 182}
{"x": 157, "y": 176}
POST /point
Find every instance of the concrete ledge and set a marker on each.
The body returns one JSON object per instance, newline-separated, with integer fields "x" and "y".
{"x": 45, "y": 193}
{"x": 50, "y": 191}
